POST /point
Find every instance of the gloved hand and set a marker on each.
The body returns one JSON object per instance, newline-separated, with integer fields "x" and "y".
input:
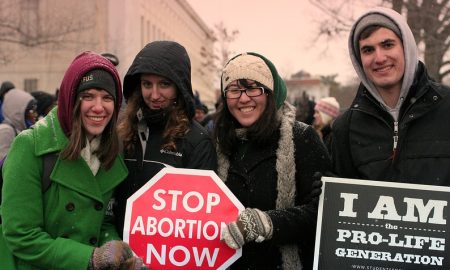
{"x": 110, "y": 255}
{"x": 133, "y": 263}
{"x": 252, "y": 225}
{"x": 316, "y": 186}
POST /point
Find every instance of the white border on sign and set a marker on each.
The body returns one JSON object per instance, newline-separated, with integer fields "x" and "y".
{"x": 172, "y": 170}
{"x": 360, "y": 182}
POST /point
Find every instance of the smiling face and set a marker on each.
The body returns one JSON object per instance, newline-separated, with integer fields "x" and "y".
{"x": 157, "y": 91}
{"x": 97, "y": 108}
{"x": 247, "y": 110}
{"x": 383, "y": 59}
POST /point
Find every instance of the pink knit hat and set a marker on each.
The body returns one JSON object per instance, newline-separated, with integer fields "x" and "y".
{"x": 328, "y": 108}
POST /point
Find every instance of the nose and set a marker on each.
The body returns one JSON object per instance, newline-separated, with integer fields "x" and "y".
{"x": 244, "y": 98}
{"x": 380, "y": 56}
{"x": 154, "y": 93}
{"x": 98, "y": 105}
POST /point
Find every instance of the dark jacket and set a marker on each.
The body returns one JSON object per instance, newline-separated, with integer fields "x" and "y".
{"x": 194, "y": 151}
{"x": 363, "y": 137}
{"x": 259, "y": 177}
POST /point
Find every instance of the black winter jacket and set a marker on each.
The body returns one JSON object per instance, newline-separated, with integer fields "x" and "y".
{"x": 255, "y": 179}
{"x": 194, "y": 151}
{"x": 363, "y": 137}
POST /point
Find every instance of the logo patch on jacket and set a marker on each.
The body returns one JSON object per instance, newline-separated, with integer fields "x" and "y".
{"x": 168, "y": 152}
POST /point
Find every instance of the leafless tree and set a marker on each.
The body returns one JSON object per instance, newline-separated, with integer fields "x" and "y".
{"x": 215, "y": 60}
{"x": 429, "y": 21}
{"x": 32, "y": 23}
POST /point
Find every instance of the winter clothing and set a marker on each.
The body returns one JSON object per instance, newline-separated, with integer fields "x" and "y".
{"x": 369, "y": 142}
{"x": 110, "y": 256}
{"x": 73, "y": 77}
{"x": 45, "y": 102}
{"x": 363, "y": 137}
{"x": 195, "y": 150}
{"x": 164, "y": 58}
{"x": 4, "y": 88}
{"x": 276, "y": 179}
{"x": 372, "y": 19}
{"x": 410, "y": 52}
{"x": 99, "y": 79}
{"x": 14, "y": 108}
{"x": 273, "y": 177}
{"x": 60, "y": 228}
{"x": 328, "y": 109}
{"x": 255, "y": 67}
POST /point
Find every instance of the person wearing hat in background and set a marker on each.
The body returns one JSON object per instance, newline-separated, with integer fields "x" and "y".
{"x": 45, "y": 102}
{"x": 69, "y": 226}
{"x": 19, "y": 111}
{"x": 394, "y": 129}
{"x": 325, "y": 111}
{"x": 268, "y": 160}
{"x": 158, "y": 128}
{"x": 4, "y": 88}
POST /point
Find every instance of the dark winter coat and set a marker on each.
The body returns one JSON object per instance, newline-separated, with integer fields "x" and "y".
{"x": 195, "y": 150}
{"x": 277, "y": 178}
{"x": 363, "y": 137}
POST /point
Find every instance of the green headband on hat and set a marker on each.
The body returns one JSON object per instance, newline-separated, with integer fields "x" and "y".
{"x": 253, "y": 66}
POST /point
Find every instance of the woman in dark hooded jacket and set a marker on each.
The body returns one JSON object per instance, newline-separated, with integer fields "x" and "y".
{"x": 157, "y": 128}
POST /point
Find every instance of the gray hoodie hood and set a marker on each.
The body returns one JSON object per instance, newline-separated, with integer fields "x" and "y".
{"x": 410, "y": 53}
{"x": 14, "y": 104}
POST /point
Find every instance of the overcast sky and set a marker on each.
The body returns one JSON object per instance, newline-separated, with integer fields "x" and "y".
{"x": 283, "y": 31}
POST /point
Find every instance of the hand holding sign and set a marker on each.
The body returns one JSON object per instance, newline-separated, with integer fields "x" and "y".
{"x": 175, "y": 220}
{"x": 251, "y": 225}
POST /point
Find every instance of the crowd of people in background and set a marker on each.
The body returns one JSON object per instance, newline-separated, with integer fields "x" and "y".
{"x": 265, "y": 150}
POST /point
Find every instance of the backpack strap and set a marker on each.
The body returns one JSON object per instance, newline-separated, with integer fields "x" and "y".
{"x": 49, "y": 161}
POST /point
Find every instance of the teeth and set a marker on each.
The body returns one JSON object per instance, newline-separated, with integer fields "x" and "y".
{"x": 247, "y": 109}
{"x": 96, "y": 118}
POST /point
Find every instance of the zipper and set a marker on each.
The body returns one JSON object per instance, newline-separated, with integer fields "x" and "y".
{"x": 395, "y": 138}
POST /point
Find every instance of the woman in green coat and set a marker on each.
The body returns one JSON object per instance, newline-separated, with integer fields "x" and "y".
{"x": 68, "y": 226}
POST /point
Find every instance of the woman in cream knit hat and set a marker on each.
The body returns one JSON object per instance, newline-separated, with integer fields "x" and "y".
{"x": 267, "y": 159}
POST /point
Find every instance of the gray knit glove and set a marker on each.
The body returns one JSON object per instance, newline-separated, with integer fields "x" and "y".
{"x": 110, "y": 256}
{"x": 252, "y": 225}
{"x": 133, "y": 263}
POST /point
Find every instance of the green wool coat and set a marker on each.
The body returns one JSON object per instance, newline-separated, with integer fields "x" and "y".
{"x": 60, "y": 228}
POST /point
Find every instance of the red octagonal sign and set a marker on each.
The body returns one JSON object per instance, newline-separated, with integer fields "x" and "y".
{"x": 175, "y": 220}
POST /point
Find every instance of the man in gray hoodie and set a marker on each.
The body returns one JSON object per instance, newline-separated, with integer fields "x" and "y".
{"x": 397, "y": 126}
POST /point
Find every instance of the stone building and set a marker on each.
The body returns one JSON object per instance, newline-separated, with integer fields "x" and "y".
{"x": 121, "y": 27}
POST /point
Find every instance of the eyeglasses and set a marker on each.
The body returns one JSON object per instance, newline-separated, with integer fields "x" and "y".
{"x": 234, "y": 93}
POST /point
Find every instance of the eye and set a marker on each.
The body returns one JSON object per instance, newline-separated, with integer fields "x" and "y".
{"x": 108, "y": 98}
{"x": 366, "y": 50}
{"x": 146, "y": 84}
{"x": 165, "y": 84}
{"x": 86, "y": 96}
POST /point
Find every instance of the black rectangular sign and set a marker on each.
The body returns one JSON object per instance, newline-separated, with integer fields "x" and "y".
{"x": 377, "y": 225}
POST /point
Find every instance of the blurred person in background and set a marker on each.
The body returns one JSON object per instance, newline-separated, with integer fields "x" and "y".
{"x": 45, "y": 102}
{"x": 20, "y": 112}
{"x": 325, "y": 112}
{"x": 4, "y": 88}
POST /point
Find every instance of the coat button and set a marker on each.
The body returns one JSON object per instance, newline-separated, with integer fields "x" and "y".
{"x": 93, "y": 240}
{"x": 70, "y": 207}
{"x": 98, "y": 206}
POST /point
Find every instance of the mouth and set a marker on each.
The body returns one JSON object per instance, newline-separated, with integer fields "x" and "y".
{"x": 96, "y": 118}
{"x": 383, "y": 69}
{"x": 247, "y": 109}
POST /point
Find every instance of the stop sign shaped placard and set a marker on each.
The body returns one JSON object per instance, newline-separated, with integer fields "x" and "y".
{"x": 175, "y": 220}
